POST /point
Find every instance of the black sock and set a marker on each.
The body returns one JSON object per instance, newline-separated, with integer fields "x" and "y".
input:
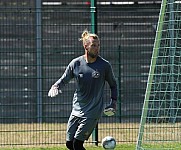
{"x": 69, "y": 145}
{"x": 78, "y": 145}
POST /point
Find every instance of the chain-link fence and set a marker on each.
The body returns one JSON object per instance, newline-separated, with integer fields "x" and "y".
{"x": 39, "y": 38}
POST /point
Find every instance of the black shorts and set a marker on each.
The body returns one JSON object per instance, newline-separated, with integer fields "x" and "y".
{"x": 80, "y": 128}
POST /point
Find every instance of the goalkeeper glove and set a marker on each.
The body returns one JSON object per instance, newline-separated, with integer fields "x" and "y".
{"x": 110, "y": 110}
{"x": 54, "y": 91}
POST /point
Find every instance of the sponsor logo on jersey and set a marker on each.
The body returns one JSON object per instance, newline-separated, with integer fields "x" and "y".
{"x": 80, "y": 75}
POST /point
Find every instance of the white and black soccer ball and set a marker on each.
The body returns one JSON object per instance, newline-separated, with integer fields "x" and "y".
{"x": 108, "y": 143}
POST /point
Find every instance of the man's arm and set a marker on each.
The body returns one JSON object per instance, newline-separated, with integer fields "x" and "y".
{"x": 111, "y": 108}
{"x": 57, "y": 86}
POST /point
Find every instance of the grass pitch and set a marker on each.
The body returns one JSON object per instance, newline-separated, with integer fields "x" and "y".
{"x": 118, "y": 147}
{"x": 48, "y": 136}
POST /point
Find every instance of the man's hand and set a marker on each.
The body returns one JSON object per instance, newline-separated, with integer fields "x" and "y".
{"x": 110, "y": 110}
{"x": 54, "y": 91}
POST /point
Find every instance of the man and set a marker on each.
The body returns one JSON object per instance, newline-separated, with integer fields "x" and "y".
{"x": 90, "y": 71}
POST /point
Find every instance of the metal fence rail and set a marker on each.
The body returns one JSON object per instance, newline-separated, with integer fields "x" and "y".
{"x": 39, "y": 38}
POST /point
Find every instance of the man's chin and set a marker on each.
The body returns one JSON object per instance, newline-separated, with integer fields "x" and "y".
{"x": 93, "y": 55}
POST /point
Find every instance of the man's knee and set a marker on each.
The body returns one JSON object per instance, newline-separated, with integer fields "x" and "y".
{"x": 69, "y": 145}
{"x": 78, "y": 145}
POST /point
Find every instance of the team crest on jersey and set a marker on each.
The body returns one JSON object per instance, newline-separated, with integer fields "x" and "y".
{"x": 96, "y": 74}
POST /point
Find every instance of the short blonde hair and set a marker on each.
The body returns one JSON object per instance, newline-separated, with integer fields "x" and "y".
{"x": 86, "y": 35}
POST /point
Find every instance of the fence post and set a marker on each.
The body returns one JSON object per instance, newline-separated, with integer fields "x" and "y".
{"x": 119, "y": 82}
{"x": 93, "y": 16}
{"x": 39, "y": 63}
{"x": 93, "y": 10}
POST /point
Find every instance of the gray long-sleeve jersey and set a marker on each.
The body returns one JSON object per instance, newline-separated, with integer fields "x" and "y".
{"x": 90, "y": 81}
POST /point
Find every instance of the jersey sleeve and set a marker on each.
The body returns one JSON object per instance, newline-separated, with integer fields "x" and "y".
{"x": 67, "y": 75}
{"x": 110, "y": 78}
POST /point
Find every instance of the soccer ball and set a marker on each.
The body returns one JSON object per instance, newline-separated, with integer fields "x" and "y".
{"x": 108, "y": 143}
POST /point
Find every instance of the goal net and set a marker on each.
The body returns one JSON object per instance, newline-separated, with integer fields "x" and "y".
{"x": 160, "y": 125}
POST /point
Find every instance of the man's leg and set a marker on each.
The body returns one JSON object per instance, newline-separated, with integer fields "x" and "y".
{"x": 69, "y": 145}
{"x": 71, "y": 129}
{"x": 84, "y": 130}
{"x": 78, "y": 145}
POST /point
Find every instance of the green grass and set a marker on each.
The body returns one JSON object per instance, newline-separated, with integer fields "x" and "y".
{"x": 118, "y": 147}
{"x": 175, "y": 146}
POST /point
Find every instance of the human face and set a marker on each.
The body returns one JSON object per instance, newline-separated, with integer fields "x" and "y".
{"x": 93, "y": 47}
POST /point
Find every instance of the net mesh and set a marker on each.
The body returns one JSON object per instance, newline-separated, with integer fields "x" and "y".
{"x": 160, "y": 126}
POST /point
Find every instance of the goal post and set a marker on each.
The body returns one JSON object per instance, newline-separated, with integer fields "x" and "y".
{"x": 160, "y": 125}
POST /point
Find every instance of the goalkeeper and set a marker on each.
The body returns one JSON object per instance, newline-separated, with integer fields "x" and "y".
{"x": 90, "y": 71}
